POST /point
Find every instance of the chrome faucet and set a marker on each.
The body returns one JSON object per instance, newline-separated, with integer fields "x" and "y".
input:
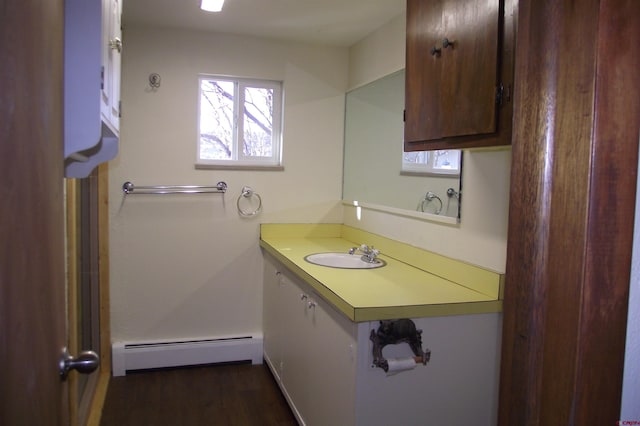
{"x": 369, "y": 254}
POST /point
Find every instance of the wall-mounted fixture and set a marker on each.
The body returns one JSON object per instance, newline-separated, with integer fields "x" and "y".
{"x": 130, "y": 188}
{"x": 393, "y": 332}
{"x": 452, "y": 193}
{"x": 154, "y": 80}
{"x": 247, "y": 194}
{"x": 429, "y": 197}
{"x": 211, "y": 5}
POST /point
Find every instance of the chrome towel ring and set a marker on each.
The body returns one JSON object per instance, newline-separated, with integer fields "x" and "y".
{"x": 247, "y": 194}
{"x": 429, "y": 197}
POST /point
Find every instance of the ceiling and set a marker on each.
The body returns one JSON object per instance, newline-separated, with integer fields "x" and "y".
{"x": 326, "y": 22}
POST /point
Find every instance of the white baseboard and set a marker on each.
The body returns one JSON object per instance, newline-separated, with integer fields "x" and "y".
{"x": 129, "y": 356}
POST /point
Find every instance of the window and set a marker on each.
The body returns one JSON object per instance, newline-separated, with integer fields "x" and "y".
{"x": 442, "y": 162}
{"x": 239, "y": 122}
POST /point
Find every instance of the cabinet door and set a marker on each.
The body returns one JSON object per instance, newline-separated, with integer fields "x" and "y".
{"x": 116, "y": 62}
{"x": 273, "y": 319}
{"x": 110, "y": 72}
{"x": 451, "y": 85}
{"x": 296, "y": 340}
{"x": 332, "y": 366}
{"x": 469, "y": 67}
{"x": 311, "y": 348}
{"x": 423, "y": 70}
{"x": 285, "y": 329}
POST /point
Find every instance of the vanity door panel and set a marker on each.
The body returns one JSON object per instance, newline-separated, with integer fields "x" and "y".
{"x": 310, "y": 347}
{"x": 332, "y": 365}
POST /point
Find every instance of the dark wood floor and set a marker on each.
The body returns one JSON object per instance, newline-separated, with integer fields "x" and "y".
{"x": 229, "y": 394}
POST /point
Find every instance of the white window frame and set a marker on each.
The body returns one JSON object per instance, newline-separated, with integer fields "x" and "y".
{"x": 428, "y": 167}
{"x": 238, "y": 159}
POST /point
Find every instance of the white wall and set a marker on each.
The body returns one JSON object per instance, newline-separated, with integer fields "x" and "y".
{"x": 187, "y": 266}
{"x": 631, "y": 385}
{"x": 379, "y": 54}
{"x": 481, "y": 237}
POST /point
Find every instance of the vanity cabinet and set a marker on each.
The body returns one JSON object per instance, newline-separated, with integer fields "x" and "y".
{"x": 310, "y": 348}
{"x": 323, "y": 363}
{"x": 459, "y": 73}
{"x": 93, "y": 46}
{"x": 318, "y": 322}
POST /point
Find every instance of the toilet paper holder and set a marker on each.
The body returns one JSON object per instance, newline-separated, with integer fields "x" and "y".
{"x": 392, "y": 332}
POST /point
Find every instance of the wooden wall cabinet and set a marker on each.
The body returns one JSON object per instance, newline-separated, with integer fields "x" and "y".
{"x": 459, "y": 73}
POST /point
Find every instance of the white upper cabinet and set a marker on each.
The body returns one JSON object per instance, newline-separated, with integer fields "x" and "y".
{"x": 111, "y": 52}
{"x": 93, "y": 45}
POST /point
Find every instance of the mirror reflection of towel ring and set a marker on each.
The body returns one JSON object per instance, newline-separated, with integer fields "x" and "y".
{"x": 429, "y": 197}
{"x": 248, "y": 193}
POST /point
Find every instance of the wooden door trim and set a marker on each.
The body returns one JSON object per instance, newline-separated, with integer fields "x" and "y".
{"x": 71, "y": 205}
{"x": 103, "y": 252}
{"x": 79, "y": 403}
{"x": 90, "y": 411}
{"x": 100, "y": 394}
{"x": 572, "y": 202}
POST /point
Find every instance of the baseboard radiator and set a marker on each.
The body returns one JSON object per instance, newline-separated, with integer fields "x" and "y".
{"x": 130, "y": 356}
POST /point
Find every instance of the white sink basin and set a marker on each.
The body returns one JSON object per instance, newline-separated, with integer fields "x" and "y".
{"x": 343, "y": 260}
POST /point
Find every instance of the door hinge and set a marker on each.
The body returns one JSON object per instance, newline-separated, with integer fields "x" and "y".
{"x": 102, "y": 78}
{"x": 404, "y": 115}
{"x": 503, "y": 94}
{"x": 119, "y": 109}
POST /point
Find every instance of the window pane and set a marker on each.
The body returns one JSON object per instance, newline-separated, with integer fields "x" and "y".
{"x": 446, "y": 160}
{"x": 416, "y": 157}
{"x": 240, "y": 122}
{"x": 216, "y": 119}
{"x": 258, "y": 122}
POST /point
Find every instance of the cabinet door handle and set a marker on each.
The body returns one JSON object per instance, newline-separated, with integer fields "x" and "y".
{"x": 447, "y": 43}
{"x": 435, "y": 51}
{"x": 311, "y": 304}
{"x": 116, "y": 44}
{"x": 303, "y": 296}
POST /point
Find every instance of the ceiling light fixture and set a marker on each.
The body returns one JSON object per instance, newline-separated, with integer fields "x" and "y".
{"x": 211, "y": 5}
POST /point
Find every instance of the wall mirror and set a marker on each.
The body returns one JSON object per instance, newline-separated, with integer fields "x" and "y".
{"x": 374, "y": 173}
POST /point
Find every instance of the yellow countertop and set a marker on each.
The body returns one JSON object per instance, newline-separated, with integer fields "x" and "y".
{"x": 397, "y": 290}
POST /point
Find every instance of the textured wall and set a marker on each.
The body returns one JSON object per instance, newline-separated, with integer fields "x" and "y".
{"x": 185, "y": 266}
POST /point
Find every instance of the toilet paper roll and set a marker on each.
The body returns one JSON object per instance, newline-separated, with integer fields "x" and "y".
{"x": 397, "y": 365}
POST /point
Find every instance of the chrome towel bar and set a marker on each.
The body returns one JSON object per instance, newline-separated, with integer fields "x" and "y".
{"x": 129, "y": 188}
